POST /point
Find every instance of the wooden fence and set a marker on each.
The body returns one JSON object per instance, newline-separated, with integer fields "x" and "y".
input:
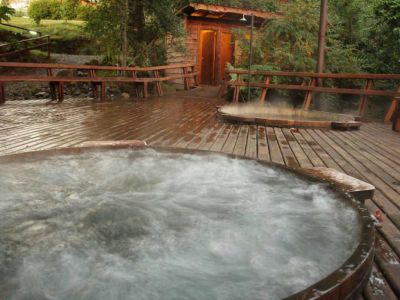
{"x": 310, "y": 86}
{"x": 12, "y": 49}
{"x": 99, "y": 76}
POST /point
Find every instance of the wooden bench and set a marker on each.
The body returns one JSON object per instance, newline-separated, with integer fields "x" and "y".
{"x": 56, "y": 83}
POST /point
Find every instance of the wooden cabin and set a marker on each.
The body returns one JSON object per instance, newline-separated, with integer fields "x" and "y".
{"x": 209, "y": 41}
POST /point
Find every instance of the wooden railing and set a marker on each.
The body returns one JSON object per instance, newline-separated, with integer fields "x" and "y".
{"x": 99, "y": 76}
{"x": 310, "y": 86}
{"x": 11, "y": 49}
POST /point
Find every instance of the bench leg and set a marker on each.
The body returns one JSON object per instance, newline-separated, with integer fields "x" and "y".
{"x": 94, "y": 90}
{"x": 53, "y": 92}
{"x": 60, "y": 92}
{"x": 2, "y": 93}
{"x": 137, "y": 92}
{"x": 103, "y": 91}
{"x": 159, "y": 88}
{"x": 158, "y": 83}
{"x": 145, "y": 89}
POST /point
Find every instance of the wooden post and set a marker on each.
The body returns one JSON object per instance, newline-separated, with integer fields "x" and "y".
{"x": 364, "y": 99}
{"x": 158, "y": 83}
{"x": 134, "y": 76}
{"x": 224, "y": 86}
{"x": 52, "y": 85}
{"x": 396, "y": 119}
{"x": 103, "y": 91}
{"x": 309, "y": 94}
{"x": 186, "y": 79}
{"x": 392, "y": 107}
{"x": 236, "y": 90}
{"x": 2, "y": 93}
{"x": 267, "y": 80}
{"x": 323, "y": 23}
{"x": 92, "y": 74}
{"x": 195, "y": 79}
{"x": 145, "y": 89}
{"x": 60, "y": 91}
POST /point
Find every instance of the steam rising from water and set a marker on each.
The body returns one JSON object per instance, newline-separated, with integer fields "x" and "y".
{"x": 146, "y": 225}
{"x": 281, "y": 113}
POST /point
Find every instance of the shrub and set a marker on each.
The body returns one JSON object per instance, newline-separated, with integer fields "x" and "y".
{"x": 69, "y": 9}
{"x": 84, "y": 12}
{"x": 6, "y": 12}
{"x": 44, "y": 9}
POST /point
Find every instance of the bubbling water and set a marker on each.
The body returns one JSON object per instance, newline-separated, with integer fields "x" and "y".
{"x": 149, "y": 225}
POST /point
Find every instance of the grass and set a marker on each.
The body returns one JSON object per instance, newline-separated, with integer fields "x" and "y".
{"x": 57, "y": 29}
{"x": 66, "y": 36}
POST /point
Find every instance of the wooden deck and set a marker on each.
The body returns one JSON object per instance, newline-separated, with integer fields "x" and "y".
{"x": 188, "y": 120}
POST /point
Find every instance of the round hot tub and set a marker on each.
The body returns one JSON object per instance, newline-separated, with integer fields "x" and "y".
{"x": 286, "y": 117}
{"x": 143, "y": 223}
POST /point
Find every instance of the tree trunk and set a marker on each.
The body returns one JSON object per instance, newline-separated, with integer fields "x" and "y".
{"x": 124, "y": 29}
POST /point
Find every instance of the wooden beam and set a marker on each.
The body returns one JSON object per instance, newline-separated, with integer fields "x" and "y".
{"x": 158, "y": 83}
{"x": 308, "y": 96}
{"x": 319, "y": 75}
{"x": 2, "y": 93}
{"x": 239, "y": 11}
{"x": 264, "y": 91}
{"x": 364, "y": 99}
{"x": 294, "y": 87}
{"x": 392, "y": 108}
{"x": 60, "y": 91}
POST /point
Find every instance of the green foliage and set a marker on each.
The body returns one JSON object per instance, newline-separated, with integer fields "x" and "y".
{"x": 6, "y": 13}
{"x": 134, "y": 32}
{"x": 84, "y": 12}
{"x": 55, "y": 10}
{"x": 381, "y": 51}
{"x": 69, "y": 9}
{"x": 44, "y": 9}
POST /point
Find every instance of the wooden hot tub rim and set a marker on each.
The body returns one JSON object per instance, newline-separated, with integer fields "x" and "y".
{"x": 345, "y": 282}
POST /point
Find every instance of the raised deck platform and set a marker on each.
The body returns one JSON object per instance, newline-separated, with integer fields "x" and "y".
{"x": 188, "y": 120}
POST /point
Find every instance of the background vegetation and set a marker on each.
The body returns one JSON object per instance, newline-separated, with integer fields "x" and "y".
{"x": 363, "y": 35}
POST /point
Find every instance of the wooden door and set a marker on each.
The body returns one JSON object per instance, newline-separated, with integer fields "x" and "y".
{"x": 207, "y": 56}
{"x": 226, "y": 53}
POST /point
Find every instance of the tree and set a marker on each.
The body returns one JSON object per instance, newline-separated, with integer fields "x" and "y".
{"x": 381, "y": 51}
{"x": 134, "y": 31}
{"x": 5, "y": 12}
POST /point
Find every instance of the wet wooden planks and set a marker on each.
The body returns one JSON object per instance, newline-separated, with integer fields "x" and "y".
{"x": 181, "y": 120}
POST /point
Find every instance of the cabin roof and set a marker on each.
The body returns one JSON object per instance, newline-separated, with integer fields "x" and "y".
{"x": 226, "y": 13}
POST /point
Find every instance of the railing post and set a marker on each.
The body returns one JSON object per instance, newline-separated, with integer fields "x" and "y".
{"x": 145, "y": 89}
{"x": 196, "y": 82}
{"x": 103, "y": 91}
{"x": 396, "y": 119}
{"x": 186, "y": 79}
{"x": 134, "y": 76}
{"x": 236, "y": 90}
{"x": 364, "y": 99}
{"x": 392, "y": 107}
{"x": 263, "y": 95}
{"x": 92, "y": 74}
{"x": 2, "y": 93}
{"x": 52, "y": 86}
{"x": 309, "y": 94}
{"x": 224, "y": 85}
{"x": 60, "y": 91}
{"x": 158, "y": 83}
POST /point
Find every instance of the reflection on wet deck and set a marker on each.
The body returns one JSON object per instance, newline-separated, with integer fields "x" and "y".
{"x": 188, "y": 120}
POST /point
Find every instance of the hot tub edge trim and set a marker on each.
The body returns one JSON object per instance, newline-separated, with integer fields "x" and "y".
{"x": 323, "y": 289}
